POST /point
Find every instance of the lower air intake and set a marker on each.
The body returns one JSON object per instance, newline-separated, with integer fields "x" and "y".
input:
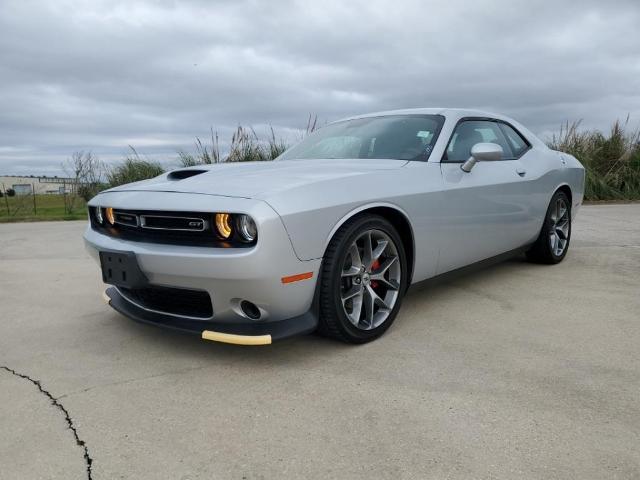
{"x": 175, "y": 301}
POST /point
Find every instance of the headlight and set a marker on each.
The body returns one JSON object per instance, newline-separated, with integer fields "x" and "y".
{"x": 99, "y": 217}
{"x": 108, "y": 212}
{"x": 246, "y": 228}
{"x": 223, "y": 225}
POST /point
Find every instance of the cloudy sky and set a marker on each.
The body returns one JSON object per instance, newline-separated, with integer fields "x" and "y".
{"x": 102, "y": 75}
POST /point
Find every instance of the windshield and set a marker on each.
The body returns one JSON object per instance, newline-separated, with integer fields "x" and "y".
{"x": 400, "y": 137}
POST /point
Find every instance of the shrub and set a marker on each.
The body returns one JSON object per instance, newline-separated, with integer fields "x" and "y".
{"x": 11, "y": 192}
{"x": 89, "y": 190}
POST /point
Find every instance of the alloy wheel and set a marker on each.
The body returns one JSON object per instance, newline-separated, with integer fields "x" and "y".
{"x": 370, "y": 279}
{"x": 559, "y": 231}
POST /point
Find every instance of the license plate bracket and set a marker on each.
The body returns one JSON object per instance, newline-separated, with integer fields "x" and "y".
{"x": 122, "y": 269}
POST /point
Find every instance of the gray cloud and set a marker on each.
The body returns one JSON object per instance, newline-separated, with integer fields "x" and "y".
{"x": 101, "y": 75}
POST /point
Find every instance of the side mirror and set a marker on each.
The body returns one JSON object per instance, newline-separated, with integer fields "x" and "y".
{"x": 482, "y": 152}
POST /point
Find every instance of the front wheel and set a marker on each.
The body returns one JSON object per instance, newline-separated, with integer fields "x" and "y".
{"x": 553, "y": 242}
{"x": 364, "y": 276}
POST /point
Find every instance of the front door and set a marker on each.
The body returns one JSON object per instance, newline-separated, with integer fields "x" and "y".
{"x": 485, "y": 211}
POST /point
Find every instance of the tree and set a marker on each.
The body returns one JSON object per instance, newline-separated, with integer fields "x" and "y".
{"x": 85, "y": 173}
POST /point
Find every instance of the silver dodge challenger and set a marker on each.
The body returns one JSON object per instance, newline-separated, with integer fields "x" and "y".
{"x": 330, "y": 235}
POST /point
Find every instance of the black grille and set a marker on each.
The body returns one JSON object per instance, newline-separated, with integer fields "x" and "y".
{"x": 184, "y": 224}
{"x": 177, "y": 301}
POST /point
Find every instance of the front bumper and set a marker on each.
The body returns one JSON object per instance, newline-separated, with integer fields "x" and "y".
{"x": 246, "y": 333}
{"x": 228, "y": 275}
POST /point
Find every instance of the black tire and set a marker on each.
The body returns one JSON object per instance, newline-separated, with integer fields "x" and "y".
{"x": 541, "y": 251}
{"x": 333, "y": 321}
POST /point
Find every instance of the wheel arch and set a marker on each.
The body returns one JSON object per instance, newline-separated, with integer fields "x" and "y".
{"x": 563, "y": 187}
{"x": 394, "y": 215}
{"x": 566, "y": 189}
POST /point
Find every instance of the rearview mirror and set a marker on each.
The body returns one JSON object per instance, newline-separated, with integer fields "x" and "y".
{"x": 482, "y": 152}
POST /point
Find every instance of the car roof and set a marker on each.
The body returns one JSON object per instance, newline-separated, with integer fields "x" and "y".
{"x": 447, "y": 112}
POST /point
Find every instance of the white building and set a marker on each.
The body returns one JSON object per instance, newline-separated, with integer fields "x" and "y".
{"x": 38, "y": 185}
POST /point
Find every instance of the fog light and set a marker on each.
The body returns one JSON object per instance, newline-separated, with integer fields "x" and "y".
{"x": 250, "y": 309}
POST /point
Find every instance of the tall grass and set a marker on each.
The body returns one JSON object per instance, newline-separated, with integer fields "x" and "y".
{"x": 133, "y": 168}
{"x": 245, "y": 146}
{"x": 204, "y": 154}
{"x": 612, "y": 161}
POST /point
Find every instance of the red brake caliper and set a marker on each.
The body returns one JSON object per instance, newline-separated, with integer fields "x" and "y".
{"x": 374, "y": 266}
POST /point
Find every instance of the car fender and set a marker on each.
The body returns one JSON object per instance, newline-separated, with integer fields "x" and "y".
{"x": 573, "y": 177}
{"x": 331, "y": 227}
{"x": 367, "y": 206}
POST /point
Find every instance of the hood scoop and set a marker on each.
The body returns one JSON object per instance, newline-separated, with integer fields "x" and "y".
{"x": 182, "y": 174}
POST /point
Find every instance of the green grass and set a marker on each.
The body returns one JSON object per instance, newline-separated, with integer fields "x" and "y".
{"x": 47, "y": 207}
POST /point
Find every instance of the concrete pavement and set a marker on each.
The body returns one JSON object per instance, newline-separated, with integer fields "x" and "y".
{"x": 517, "y": 371}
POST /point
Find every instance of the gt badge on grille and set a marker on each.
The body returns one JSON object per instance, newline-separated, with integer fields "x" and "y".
{"x": 164, "y": 222}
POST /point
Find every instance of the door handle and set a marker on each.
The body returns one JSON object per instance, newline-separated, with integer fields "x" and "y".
{"x": 521, "y": 171}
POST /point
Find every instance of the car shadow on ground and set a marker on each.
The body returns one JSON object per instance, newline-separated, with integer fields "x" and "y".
{"x": 415, "y": 310}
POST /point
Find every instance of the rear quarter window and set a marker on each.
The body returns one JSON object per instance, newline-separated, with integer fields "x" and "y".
{"x": 517, "y": 143}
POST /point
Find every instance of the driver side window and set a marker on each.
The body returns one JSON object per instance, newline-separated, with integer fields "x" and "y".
{"x": 470, "y": 132}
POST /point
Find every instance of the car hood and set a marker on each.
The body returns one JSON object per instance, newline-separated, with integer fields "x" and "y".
{"x": 258, "y": 179}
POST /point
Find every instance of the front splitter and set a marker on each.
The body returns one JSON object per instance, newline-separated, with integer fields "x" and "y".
{"x": 238, "y": 333}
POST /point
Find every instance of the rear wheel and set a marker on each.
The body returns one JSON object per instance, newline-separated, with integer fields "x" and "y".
{"x": 364, "y": 277}
{"x": 553, "y": 242}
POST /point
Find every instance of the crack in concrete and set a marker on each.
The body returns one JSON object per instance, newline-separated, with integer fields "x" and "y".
{"x": 54, "y": 401}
